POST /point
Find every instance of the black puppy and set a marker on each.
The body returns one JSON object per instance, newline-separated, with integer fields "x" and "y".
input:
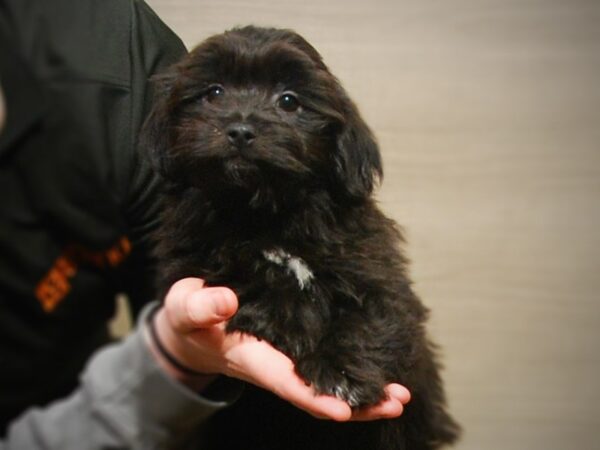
{"x": 269, "y": 171}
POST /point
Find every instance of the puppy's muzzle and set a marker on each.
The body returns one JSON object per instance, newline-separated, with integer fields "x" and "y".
{"x": 240, "y": 134}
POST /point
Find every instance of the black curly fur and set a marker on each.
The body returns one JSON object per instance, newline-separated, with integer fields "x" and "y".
{"x": 298, "y": 190}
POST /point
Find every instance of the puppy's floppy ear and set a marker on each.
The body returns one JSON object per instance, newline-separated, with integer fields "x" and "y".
{"x": 155, "y": 134}
{"x": 358, "y": 161}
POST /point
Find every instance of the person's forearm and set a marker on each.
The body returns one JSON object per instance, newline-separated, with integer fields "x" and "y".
{"x": 126, "y": 400}
{"x": 187, "y": 376}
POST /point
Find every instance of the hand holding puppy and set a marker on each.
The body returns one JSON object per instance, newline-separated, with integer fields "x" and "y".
{"x": 191, "y": 327}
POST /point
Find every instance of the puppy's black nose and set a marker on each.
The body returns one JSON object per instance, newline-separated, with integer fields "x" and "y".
{"x": 240, "y": 134}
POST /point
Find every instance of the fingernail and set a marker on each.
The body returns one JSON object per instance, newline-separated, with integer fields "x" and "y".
{"x": 225, "y": 302}
{"x": 402, "y": 393}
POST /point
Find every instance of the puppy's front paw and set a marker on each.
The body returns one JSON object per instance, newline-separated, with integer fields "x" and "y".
{"x": 258, "y": 322}
{"x": 356, "y": 386}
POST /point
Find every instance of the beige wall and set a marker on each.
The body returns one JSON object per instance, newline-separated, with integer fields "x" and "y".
{"x": 488, "y": 115}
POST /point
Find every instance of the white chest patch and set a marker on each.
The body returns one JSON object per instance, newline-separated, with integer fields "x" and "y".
{"x": 292, "y": 264}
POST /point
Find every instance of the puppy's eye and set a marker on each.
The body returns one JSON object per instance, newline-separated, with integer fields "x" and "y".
{"x": 214, "y": 93}
{"x": 288, "y": 102}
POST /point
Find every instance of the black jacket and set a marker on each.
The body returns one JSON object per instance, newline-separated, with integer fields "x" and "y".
{"x": 77, "y": 200}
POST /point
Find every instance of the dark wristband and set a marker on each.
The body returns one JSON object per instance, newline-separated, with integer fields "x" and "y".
{"x": 165, "y": 353}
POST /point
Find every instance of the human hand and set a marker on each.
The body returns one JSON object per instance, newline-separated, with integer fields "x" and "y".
{"x": 191, "y": 327}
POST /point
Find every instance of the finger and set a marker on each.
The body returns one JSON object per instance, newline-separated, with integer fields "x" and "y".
{"x": 295, "y": 390}
{"x": 392, "y": 406}
{"x": 320, "y": 406}
{"x": 190, "y": 306}
{"x": 210, "y": 306}
{"x": 259, "y": 363}
{"x": 398, "y": 391}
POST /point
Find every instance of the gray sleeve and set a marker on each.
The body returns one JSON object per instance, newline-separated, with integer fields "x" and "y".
{"x": 125, "y": 401}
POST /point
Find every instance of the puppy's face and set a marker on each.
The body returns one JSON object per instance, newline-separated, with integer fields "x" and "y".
{"x": 256, "y": 110}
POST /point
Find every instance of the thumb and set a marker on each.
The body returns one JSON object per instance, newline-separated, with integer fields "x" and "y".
{"x": 211, "y": 306}
{"x": 190, "y": 306}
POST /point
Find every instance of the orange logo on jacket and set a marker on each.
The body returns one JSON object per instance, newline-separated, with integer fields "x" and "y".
{"x": 55, "y": 285}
